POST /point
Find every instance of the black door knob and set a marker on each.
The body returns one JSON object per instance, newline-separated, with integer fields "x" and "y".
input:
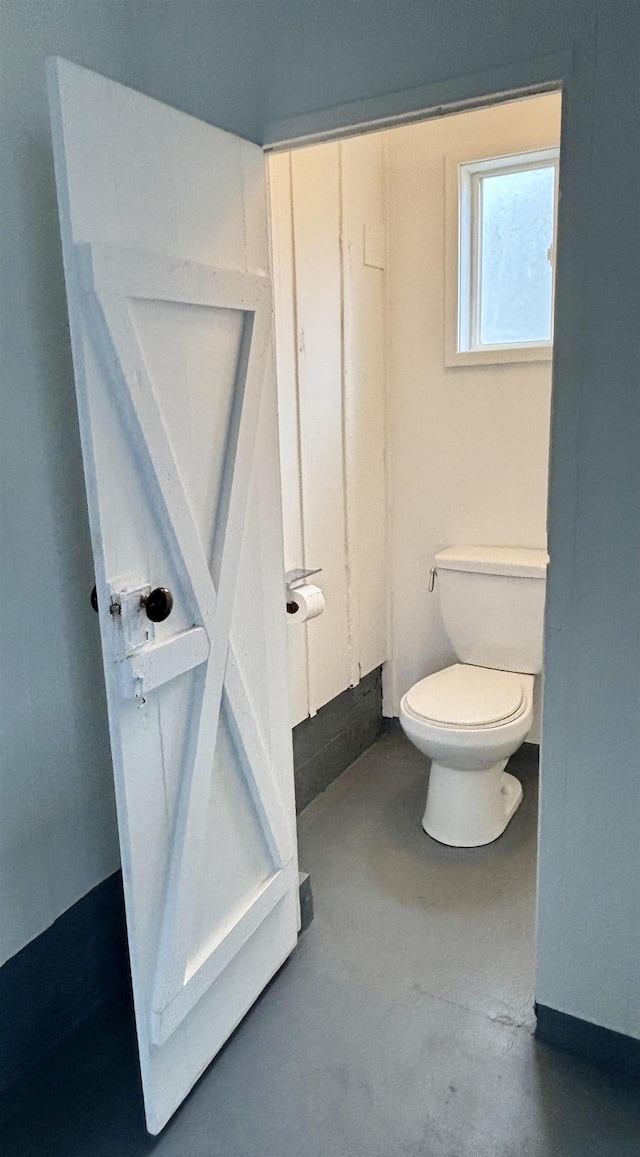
{"x": 158, "y": 605}
{"x": 94, "y": 599}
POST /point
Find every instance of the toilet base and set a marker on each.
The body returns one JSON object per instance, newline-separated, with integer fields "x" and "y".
{"x": 466, "y": 809}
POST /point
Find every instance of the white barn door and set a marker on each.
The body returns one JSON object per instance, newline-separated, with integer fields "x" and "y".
{"x": 164, "y": 233}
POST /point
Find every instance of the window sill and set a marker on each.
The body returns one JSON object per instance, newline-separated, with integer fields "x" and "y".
{"x": 490, "y": 357}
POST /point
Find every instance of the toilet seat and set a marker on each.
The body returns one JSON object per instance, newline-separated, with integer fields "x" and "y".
{"x": 467, "y": 697}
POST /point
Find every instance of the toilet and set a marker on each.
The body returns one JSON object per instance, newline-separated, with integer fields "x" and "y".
{"x": 470, "y": 717}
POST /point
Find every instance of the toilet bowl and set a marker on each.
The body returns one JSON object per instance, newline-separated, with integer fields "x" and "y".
{"x": 469, "y": 720}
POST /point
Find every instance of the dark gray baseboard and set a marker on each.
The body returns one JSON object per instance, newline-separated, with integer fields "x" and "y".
{"x": 391, "y": 725}
{"x": 77, "y": 965}
{"x": 81, "y": 962}
{"x": 602, "y": 1046}
{"x": 325, "y": 744}
{"x": 306, "y": 901}
{"x": 61, "y": 977}
{"x": 525, "y": 753}
{"x": 49, "y": 988}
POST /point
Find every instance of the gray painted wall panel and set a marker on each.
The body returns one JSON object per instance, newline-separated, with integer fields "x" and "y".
{"x": 57, "y": 816}
{"x": 589, "y": 889}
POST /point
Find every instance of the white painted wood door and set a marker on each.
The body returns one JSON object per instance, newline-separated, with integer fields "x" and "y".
{"x": 164, "y": 233}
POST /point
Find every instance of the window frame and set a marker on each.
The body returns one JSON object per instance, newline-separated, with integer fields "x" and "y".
{"x": 464, "y": 204}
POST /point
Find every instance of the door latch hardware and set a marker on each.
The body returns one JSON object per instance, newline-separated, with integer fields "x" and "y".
{"x": 114, "y": 608}
{"x": 158, "y": 604}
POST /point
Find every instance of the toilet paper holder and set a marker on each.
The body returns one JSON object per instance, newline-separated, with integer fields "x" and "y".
{"x": 295, "y": 578}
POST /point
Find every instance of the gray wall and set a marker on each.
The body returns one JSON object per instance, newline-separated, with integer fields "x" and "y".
{"x": 57, "y": 818}
{"x": 268, "y": 70}
{"x": 589, "y": 889}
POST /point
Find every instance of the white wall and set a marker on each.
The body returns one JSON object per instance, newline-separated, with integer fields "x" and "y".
{"x": 328, "y": 247}
{"x": 468, "y": 445}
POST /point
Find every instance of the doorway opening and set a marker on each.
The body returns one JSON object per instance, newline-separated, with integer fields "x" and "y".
{"x": 413, "y": 279}
{"x": 398, "y": 412}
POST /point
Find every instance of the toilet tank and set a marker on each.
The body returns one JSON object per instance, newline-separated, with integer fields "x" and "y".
{"x": 492, "y": 603}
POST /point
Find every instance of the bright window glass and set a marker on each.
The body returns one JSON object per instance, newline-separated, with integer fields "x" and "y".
{"x": 515, "y": 256}
{"x": 506, "y": 257}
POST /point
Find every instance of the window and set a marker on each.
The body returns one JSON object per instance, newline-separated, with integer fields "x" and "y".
{"x": 506, "y": 258}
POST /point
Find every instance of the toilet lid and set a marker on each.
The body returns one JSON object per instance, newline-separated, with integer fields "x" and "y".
{"x": 465, "y": 696}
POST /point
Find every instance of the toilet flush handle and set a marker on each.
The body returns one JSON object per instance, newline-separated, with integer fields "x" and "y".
{"x": 432, "y": 578}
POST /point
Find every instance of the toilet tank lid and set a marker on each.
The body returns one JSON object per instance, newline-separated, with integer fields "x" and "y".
{"x": 516, "y": 561}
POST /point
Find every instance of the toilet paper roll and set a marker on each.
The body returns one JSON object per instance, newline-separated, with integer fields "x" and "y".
{"x": 305, "y": 602}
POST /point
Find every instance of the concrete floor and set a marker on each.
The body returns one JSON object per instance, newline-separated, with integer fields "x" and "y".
{"x": 401, "y": 1027}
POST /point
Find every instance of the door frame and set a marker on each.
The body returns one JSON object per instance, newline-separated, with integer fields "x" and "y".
{"x": 447, "y": 98}
{"x": 444, "y": 98}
